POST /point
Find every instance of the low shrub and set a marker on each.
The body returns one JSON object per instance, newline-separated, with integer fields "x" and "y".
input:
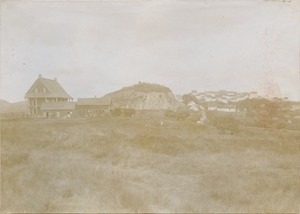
{"x": 226, "y": 123}
{"x": 178, "y": 115}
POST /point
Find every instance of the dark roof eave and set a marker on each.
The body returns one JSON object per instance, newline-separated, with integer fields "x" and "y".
{"x": 57, "y": 109}
{"x": 32, "y": 96}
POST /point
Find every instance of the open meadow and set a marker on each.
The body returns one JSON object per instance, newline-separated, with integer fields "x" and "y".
{"x": 135, "y": 165}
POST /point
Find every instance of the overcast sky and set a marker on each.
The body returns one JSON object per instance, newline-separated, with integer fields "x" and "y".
{"x": 97, "y": 47}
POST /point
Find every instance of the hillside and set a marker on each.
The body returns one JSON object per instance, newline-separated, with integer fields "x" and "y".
{"x": 144, "y": 96}
{"x": 4, "y": 104}
{"x": 17, "y": 107}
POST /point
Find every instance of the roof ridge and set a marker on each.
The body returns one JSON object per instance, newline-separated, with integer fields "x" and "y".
{"x": 42, "y": 78}
{"x": 53, "y": 87}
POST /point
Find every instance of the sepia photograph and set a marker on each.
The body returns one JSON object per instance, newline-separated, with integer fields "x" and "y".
{"x": 150, "y": 106}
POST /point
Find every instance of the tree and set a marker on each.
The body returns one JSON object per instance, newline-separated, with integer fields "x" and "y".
{"x": 266, "y": 114}
{"x": 188, "y": 98}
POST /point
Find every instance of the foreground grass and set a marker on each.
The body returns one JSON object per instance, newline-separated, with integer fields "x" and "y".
{"x": 117, "y": 165}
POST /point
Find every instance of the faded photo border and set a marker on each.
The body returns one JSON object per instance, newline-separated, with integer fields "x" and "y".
{"x": 127, "y": 106}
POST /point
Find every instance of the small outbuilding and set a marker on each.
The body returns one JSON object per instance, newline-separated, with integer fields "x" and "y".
{"x": 93, "y": 107}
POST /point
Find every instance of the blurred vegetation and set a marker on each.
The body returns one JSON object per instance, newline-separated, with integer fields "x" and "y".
{"x": 225, "y": 123}
{"x": 180, "y": 114}
{"x": 268, "y": 113}
{"x": 123, "y": 112}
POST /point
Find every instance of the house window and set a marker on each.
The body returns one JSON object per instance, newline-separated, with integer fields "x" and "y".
{"x": 44, "y": 90}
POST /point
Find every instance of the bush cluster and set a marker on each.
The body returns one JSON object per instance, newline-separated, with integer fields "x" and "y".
{"x": 226, "y": 123}
{"x": 179, "y": 115}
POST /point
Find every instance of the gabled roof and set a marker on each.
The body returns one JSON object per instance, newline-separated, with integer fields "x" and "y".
{"x": 93, "y": 101}
{"x": 58, "y": 105}
{"x": 54, "y": 88}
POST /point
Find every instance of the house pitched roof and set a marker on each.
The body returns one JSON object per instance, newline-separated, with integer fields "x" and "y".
{"x": 58, "y": 105}
{"x": 54, "y": 89}
{"x": 93, "y": 101}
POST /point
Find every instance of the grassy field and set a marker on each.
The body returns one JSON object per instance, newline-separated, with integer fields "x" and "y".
{"x": 131, "y": 165}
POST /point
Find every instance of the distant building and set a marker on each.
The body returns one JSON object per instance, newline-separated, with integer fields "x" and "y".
{"x": 59, "y": 109}
{"x": 193, "y": 106}
{"x": 210, "y": 99}
{"x": 212, "y": 106}
{"x": 226, "y": 108}
{"x": 225, "y": 96}
{"x": 44, "y": 90}
{"x": 93, "y": 107}
{"x": 253, "y": 95}
{"x": 221, "y": 107}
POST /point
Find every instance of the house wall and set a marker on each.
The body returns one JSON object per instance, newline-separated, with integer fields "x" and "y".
{"x": 212, "y": 108}
{"x": 34, "y": 105}
{"x": 69, "y": 113}
{"x": 222, "y": 109}
{"x": 226, "y": 109}
{"x": 92, "y": 111}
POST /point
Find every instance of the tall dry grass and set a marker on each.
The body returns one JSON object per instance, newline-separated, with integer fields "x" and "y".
{"x": 118, "y": 165}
